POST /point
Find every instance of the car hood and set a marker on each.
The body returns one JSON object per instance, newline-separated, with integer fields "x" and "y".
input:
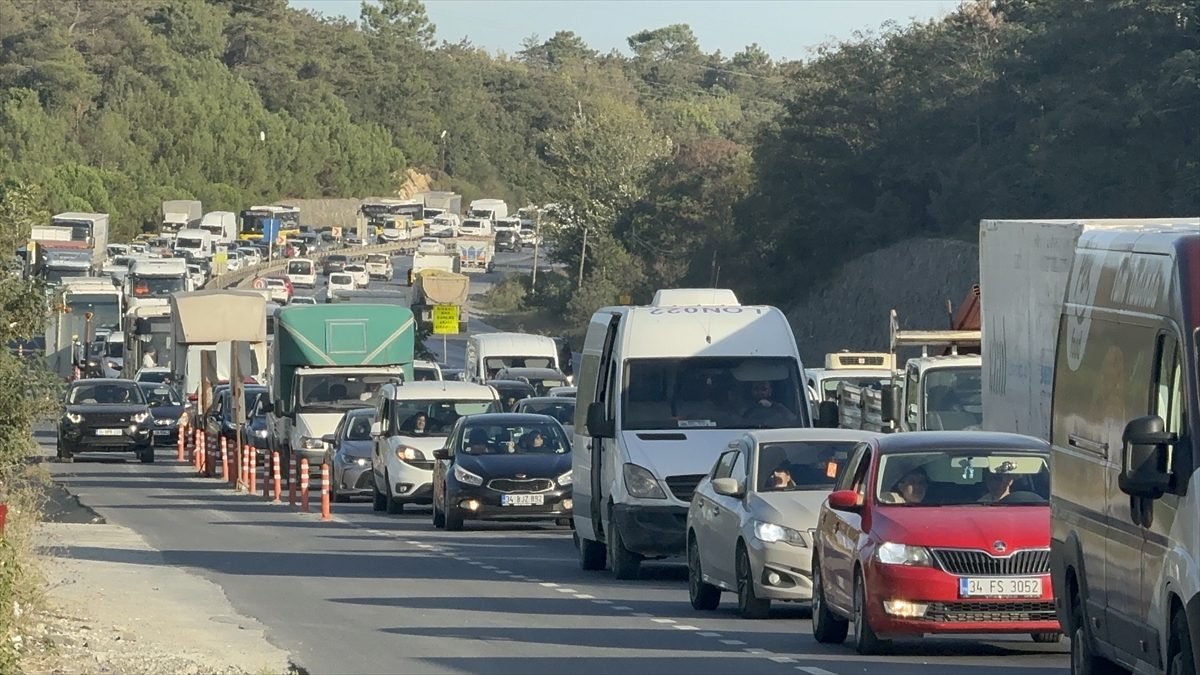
{"x": 357, "y": 448}
{"x": 674, "y": 452}
{"x": 316, "y": 425}
{"x": 797, "y": 510}
{"x": 975, "y": 527}
{"x": 508, "y": 466}
{"x": 167, "y": 411}
{"x": 426, "y": 444}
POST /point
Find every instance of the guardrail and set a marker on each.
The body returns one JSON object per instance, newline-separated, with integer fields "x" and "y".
{"x": 237, "y": 278}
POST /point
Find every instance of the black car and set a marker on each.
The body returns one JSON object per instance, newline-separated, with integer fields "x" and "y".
{"x": 257, "y": 431}
{"x": 218, "y": 419}
{"x": 507, "y": 240}
{"x": 502, "y": 466}
{"x": 511, "y": 391}
{"x": 334, "y": 263}
{"x": 541, "y": 379}
{"x": 105, "y": 415}
{"x": 166, "y": 407}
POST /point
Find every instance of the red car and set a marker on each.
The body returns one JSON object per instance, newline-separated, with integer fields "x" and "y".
{"x": 936, "y": 532}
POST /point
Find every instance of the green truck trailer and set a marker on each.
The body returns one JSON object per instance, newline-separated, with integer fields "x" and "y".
{"x": 326, "y": 360}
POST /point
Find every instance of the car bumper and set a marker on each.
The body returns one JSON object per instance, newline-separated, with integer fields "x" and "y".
{"x": 652, "y": 531}
{"x": 85, "y": 440}
{"x": 354, "y": 480}
{"x": 557, "y": 504}
{"x": 791, "y": 565}
{"x": 947, "y": 612}
{"x": 166, "y": 435}
{"x": 410, "y": 483}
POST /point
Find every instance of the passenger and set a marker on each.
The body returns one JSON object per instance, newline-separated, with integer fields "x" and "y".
{"x": 510, "y": 402}
{"x": 533, "y": 442}
{"x": 417, "y": 425}
{"x": 781, "y": 478}
{"x": 477, "y": 441}
{"x": 999, "y": 486}
{"x": 361, "y": 431}
{"x": 148, "y": 360}
{"x": 369, "y": 391}
{"x": 911, "y": 488}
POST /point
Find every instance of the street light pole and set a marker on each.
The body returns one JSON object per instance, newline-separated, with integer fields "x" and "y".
{"x": 582, "y": 255}
{"x": 537, "y": 237}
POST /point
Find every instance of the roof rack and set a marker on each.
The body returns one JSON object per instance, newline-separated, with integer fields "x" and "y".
{"x": 931, "y": 338}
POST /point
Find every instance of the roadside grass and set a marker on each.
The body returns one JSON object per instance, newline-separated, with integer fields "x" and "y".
{"x": 22, "y": 584}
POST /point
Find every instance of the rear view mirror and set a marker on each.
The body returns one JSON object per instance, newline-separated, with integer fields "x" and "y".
{"x": 598, "y": 426}
{"x": 376, "y": 428}
{"x": 441, "y": 453}
{"x": 1144, "y": 470}
{"x": 729, "y": 487}
{"x": 890, "y": 403}
{"x": 844, "y": 500}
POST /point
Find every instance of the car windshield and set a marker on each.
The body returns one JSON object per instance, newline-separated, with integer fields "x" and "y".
{"x": 424, "y": 374}
{"x": 116, "y": 393}
{"x": 801, "y": 465}
{"x": 358, "y": 428}
{"x": 377, "y": 259}
{"x": 953, "y": 399}
{"x": 563, "y": 411}
{"x": 158, "y": 395}
{"x": 494, "y": 364}
{"x": 513, "y": 439}
{"x": 435, "y": 417}
{"x": 712, "y": 392}
{"x": 114, "y": 349}
{"x": 340, "y": 390}
{"x": 964, "y": 477}
{"x": 155, "y": 376}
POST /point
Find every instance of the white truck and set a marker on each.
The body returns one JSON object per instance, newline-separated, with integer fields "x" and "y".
{"x": 150, "y": 281}
{"x": 69, "y": 330}
{"x": 222, "y": 225}
{"x": 488, "y": 209}
{"x": 447, "y": 262}
{"x": 438, "y": 202}
{"x": 476, "y": 254}
{"x": 179, "y": 214}
{"x": 861, "y": 369}
{"x": 196, "y": 243}
{"x": 76, "y": 237}
{"x": 207, "y": 321}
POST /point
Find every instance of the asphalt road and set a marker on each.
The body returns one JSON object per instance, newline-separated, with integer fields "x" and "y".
{"x": 373, "y": 593}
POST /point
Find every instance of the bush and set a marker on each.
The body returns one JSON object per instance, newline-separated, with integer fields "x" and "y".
{"x": 507, "y": 295}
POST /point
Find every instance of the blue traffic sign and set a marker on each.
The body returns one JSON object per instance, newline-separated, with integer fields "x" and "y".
{"x": 270, "y": 229}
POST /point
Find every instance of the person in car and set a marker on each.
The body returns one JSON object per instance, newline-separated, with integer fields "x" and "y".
{"x": 477, "y": 441}
{"x": 763, "y": 409}
{"x": 780, "y": 478}
{"x": 417, "y": 425}
{"x": 999, "y": 486}
{"x": 337, "y": 392}
{"x": 912, "y": 486}
{"x": 148, "y": 358}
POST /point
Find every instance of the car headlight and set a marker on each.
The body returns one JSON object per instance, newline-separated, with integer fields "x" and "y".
{"x": 164, "y": 422}
{"x": 565, "y": 479}
{"x": 74, "y": 418}
{"x": 890, "y": 553}
{"x": 464, "y": 476}
{"x": 309, "y": 443}
{"x": 140, "y": 417}
{"x": 771, "y": 533}
{"x": 260, "y": 433}
{"x": 361, "y": 461}
{"x": 407, "y": 454}
{"x": 641, "y": 483}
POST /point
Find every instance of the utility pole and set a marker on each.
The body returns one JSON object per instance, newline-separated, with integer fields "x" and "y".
{"x": 582, "y": 255}
{"x": 537, "y": 236}
{"x": 443, "y": 139}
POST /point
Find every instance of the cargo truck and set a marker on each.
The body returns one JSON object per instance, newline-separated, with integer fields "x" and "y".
{"x": 326, "y": 360}
{"x": 439, "y": 203}
{"x": 476, "y": 254}
{"x": 69, "y": 329}
{"x": 84, "y": 234}
{"x": 221, "y": 224}
{"x": 488, "y": 209}
{"x": 438, "y": 287}
{"x": 151, "y": 281}
{"x": 208, "y": 321}
{"x": 179, "y": 214}
{"x": 446, "y": 262}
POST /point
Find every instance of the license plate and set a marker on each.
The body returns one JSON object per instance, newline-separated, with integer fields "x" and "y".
{"x": 162, "y": 432}
{"x": 999, "y": 587}
{"x": 522, "y": 500}
{"x": 109, "y": 432}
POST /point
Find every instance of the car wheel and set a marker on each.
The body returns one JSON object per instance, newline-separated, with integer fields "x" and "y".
{"x": 827, "y": 627}
{"x": 750, "y": 606}
{"x": 703, "y": 596}
{"x": 380, "y": 501}
{"x": 147, "y": 455}
{"x": 624, "y": 563}
{"x": 393, "y": 506}
{"x": 335, "y": 495}
{"x": 1084, "y": 659}
{"x": 454, "y": 519}
{"x": 64, "y": 455}
{"x": 439, "y": 518}
{"x": 1181, "y": 660}
{"x": 593, "y": 557}
{"x": 1046, "y": 638}
{"x": 866, "y": 642}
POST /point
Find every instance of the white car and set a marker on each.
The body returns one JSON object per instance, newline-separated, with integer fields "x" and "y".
{"x": 303, "y": 300}
{"x": 233, "y": 261}
{"x": 431, "y": 245}
{"x": 250, "y": 255}
{"x": 419, "y": 417}
{"x": 359, "y": 273}
{"x": 302, "y": 272}
{"x": 379, "y": 266}
{"x": 277, "y": 290}
{"x": 338, "y": 281}
{"x": 424, "y": 371}
{"x": 197, "y": 275}
{"x": 567, "y": 392}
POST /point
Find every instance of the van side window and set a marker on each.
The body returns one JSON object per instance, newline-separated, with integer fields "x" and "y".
{"x": 606, "y": 382}
{"x": 385, "y": 416}
{"x": 1167, "y": 399}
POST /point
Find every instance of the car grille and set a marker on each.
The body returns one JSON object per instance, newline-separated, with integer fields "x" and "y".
{"x": 365, "y": 480}
{"x": 515, "y": 485}
{"x": 990, "y": 612}
{"x": 683, "y": 486}
{"x": 107, "y": 419}
{"x": 423, "y": 464}
{"x": 1020, "y": 563}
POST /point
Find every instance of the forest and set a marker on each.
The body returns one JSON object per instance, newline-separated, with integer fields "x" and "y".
{"x": 684, "y": 167}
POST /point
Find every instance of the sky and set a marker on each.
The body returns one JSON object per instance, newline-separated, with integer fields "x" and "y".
{"x": 785, "y": 29}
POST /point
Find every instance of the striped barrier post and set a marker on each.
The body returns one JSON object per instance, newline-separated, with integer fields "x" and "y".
{"x": 304, "y": 484}
{"x": 325, "y": 516}
{"x": 292, "y": 481}
{"x": 189, "y": 440}
{"x": 268, "y": 472}
{"x": 244, "y": 470}
{"x": 235, "y": 466}
{"x": 181, "y": 442}
{"x": 224, "y": 459}
{"x": 210, "y": 458}
{"x": 252, "y": 470}
{"x": 275, "y": 468}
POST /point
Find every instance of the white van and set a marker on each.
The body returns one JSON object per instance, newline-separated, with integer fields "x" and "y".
{"x": 662, "y": 391}
{"x": 489, "y": 353}
{"x": 302, "y": 272}
{"x": 1125, "y": 451}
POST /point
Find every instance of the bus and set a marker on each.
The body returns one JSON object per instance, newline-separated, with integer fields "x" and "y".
{"x": 392, "y": 213}
{"x": 251, "y": 221}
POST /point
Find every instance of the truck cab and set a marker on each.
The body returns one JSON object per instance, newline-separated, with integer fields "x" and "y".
{"x": 863, "y": 369}
{"x": 151, "y": 281}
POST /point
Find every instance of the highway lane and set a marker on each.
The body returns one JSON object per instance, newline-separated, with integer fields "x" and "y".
{"x": 372, "y": 592}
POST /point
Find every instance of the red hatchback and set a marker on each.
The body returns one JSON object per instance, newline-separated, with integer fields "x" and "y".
{"x": 936, "y": 532}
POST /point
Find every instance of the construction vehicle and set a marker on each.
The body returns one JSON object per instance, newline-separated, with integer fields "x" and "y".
{"x": 150, "y": 281}
{"x": 207, "y": 321}
{"x": 438, "y": 287}
{"x": 447, "y": 262}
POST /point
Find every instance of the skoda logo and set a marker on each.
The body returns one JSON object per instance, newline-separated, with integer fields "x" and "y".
{"x": 999, "y": 546}
{"x": 520, "y": 475}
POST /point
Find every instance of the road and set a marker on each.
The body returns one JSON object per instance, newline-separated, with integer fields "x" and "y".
{"x": 373, "y": 593}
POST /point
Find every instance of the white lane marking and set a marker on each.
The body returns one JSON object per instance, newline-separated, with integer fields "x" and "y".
{"x": 566, "y": 590}
{"x": 424, "y": 546}
{"x": 782, "y": 659}
{"x": 813, "y": 670}
{"x": 584, "y": 596}
{"x": 488, "y": 567}
{"x": 602, "y": 602}
{"x": 503, "y": 572}
{"x": 623, "y": 608}
{"x": 661, "y": 620}
{"x": 474, "y": 562}
{"x": 684, "y": 627}
{"x": 463, "y": 558}
{"x": 519, "y": 576}
{"x": 642, "y": 615}
{"x": 756, "y": 650}
{"x": 732, "y": 642}
{"x": 414, "y": 543}
{"x": 707, "y": 634}
{"x": 535, "y": 580}
{"x": 549, "y": 584}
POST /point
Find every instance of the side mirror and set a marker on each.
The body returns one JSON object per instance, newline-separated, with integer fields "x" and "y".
{"x": 844, "y": 500}
{"x": 329, "y": 438}
{"x": 376, "y": 429}
{"x": 597, "y": 425}
{"x": 827, "y": 415}
{"x": 277, "y": 406}
{"x": 729, "y": 487}
{"x": 441, "y": 453}
{"x": 155, "y": 404}
{"x": 891, "y": 401}
{"x": 1144, "y": 470}
{"x": 264, "y": 408}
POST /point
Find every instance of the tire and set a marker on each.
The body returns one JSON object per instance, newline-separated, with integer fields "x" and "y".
{"x": 1084, "y": 659}
{"x": 1046, "y": 638}
{"x": 380, "y": 501}
{"x": 146, "y": 456}
{"x": 750, "y": 606}
{"x": 64, "y": 455}
{"x": 625, "y": 564}
{"x": 454, "y": 519}
{"x": 593, "y": 557}
{"x": 1180, "y": 658}
{"x": 827, "y": 627}
{"x": 866, "y": 642}
{"x": 703, "y": 596}
{"x": 439, "y": 518}
{"x": 393, "y": 506}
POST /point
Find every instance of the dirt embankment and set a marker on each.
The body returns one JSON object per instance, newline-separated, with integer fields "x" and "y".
{"x": 915, "y": 277}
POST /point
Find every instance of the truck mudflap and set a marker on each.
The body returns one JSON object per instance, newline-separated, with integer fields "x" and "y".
{"x": 652, "y": 531}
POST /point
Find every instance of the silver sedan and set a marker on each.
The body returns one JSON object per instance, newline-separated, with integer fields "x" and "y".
{"x": 349, "y": 455}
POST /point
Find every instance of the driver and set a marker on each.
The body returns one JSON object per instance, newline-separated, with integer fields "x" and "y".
{"x": 337, "y": 392}
{"x": 999, "y": 486}
{"x": 763, "y": 409}
{"x": 477, "y": 441}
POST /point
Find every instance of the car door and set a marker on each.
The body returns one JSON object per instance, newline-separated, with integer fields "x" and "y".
{"x": 707, "y": 510}
{"x": 727, "y": 521}
{"x": 212, "y": 421}
{"x": 380, "y": 446}
{"x": 339, "y": 434}
{"x": 839, "y": 532}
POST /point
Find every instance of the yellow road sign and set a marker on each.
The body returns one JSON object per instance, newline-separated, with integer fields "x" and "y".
{"x": 445, "y": 319}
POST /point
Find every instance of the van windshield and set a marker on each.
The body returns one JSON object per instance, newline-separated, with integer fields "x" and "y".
{"x": 300, "y": 267}
{"x": 713, "y": 393}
